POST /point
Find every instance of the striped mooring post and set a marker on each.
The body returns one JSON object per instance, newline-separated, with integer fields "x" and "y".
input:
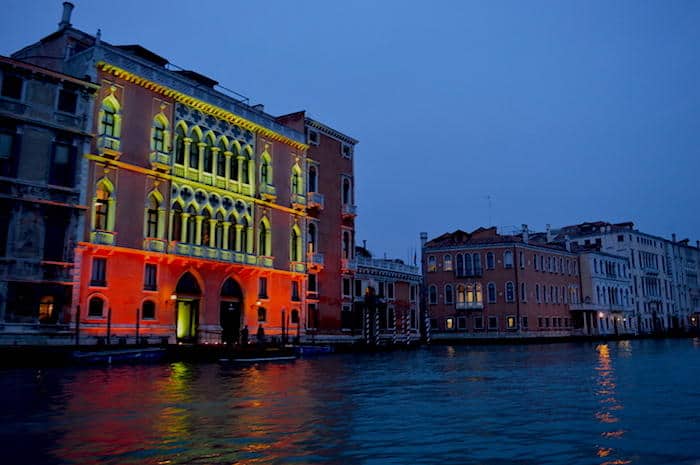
{"x": 427, "y": 329}
{"x": 407, "y": 325}
{"x": 376, "y": 327}
{"x": 366, "y": 326}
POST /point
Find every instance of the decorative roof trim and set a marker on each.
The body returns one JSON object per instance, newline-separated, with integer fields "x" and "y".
{"x": 200, "y": 105}
{"x": 330, "y": 131}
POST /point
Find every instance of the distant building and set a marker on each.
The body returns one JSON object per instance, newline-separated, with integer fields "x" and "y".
{"x": 686, "y": 286}
{"x": 393, "y": 316}
{"x": 485, "y": 284}
{"x": 607, "y": 296}
{"x": 649, "y": 259}
{"x": 44, "y": 130}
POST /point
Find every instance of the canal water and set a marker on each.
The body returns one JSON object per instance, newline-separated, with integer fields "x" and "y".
{"x": 624, "y": 402}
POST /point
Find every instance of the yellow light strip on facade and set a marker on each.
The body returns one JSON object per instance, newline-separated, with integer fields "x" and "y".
{"x": 205, "y": 107}
{"x": 189, "y": 182}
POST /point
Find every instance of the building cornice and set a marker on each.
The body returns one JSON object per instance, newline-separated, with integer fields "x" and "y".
{"x": 330, "y": 131}
{"x": 496, "y": 245}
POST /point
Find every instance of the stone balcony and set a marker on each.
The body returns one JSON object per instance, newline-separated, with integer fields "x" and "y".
{"x": 315, "y": 200}
{"x": 315, "y": 260}
{"x": 297, "y": 267}
{"x": 469, "y": 305}
{"x": 348, "y": 264}
{"x": 109, "y": 146}
{"x": 160, "y": 161}
{"x": 298, "y": 201}
{"x": 268, "y": 192}
{"x": 102, "y": 237}
{"x": 154, "y": 244}
{"x": 349, "y": 211}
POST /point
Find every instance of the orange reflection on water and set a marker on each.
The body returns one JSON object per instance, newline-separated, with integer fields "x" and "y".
{"x": 606, "y": 385}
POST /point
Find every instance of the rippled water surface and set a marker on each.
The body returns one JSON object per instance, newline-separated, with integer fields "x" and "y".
{"x": 616, "y": 403}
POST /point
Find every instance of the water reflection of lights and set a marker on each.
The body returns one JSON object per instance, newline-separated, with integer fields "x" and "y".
{"x": 606, "y": 386}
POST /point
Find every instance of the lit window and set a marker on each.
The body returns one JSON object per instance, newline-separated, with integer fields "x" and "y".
{"x": 450, "y": 323}
{"x": 447, "y": 262}
{"x": 511, "y": 322}
{"x": 432, "y": 264}
{"x": 508, "y": 259}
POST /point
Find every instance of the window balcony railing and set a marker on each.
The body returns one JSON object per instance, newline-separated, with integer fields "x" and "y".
{"x": 348, "y": 264}
{"x": 298, "y": 201}
{"x": 154, "y": 244}
{"x": 472, "y": 273}
{"x": 311, "y": 295}
{"x": 266, "y": 262}
{"x": 268, "y": 192}
{"x": 221, "y": 183}
{"x": 469, "y": 305}
{"x": 297, "y": 267}
{"x": 315, "y": 200}
{"x": 109, "y": 146}
{"x": 102, "y": 237}
{"x": 160, "y": 160}
{"x": 650, "y": 270}
{"x": 179, "y": 170}
{"x": 193, "y": 174}
{"x": 208, "y": 178}
{"x": 349, "y": 211}
{"x": 315, "y": 259}
{"x": 226, "y": 255}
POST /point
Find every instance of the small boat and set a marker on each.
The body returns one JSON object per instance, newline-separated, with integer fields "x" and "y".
{"x": 117, "y": 356}
{"x": 314, "y": 350}
{"x": 281, "y": 358}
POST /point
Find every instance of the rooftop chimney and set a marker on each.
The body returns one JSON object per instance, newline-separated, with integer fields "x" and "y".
{"x": 364, "y": 244}
{"x": 259, "y": 107}
{"x": 549, "y": 232}
{"x": 423, "y": 238}
{"x": 65, "y": 20}
{"x": 673, "y": 237}
{"x": 526, "y": 234}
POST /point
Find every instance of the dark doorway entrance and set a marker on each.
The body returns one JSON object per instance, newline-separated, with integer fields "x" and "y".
{"x": 230, "y": 311}
{"x": 187, "y": 308}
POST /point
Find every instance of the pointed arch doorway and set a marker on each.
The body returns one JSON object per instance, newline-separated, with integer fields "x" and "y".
{"x": 230, "y": 311}
{"x": 189, "y": 295}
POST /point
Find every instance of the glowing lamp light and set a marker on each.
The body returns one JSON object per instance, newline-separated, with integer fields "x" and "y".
{"x": 258, "y": 303}
{"x": 173, "y": 297}
{"x": 600, "y": 314}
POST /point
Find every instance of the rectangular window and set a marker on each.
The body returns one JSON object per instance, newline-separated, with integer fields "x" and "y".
{"x": 478, "y": 322}
{"x": 295, "y": 291}
{"x": 262, "y": 288}
{"x": 412, "y": 293}
{"x": 313, "y": 136}
{"x": 380, "y": 288}
{"x": 540, "y": 322}
{"x": 62, "y": 164}
{"x": 313, "y": 283}
{"x": 620, "y": 238}
{"x": 7, "y": 150}
{"x": 493, "y": 322}
{"x": 312, "y": 318}
{"x": 523, "y": 292}
{"x": 347, "y": 292}
{"x": 511, "y": 322}
{"x": 67, "y": 101}
{"x": 524, "y": 322}
{"x": 149, "y": 277}
{"x": 99, "y": 272}
{"x": 449, "y": 323}
{"x": 461, "y": 323}
{"x": 12, "y": 86}
{"x": 390, "y": 290}
{"x": 521, "y": 258}
{"x": 358, "y": 288}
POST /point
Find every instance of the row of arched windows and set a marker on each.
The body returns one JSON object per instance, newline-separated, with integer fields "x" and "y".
{"x": 552, "y": 294}
{"x": 472, "y": 293}
{"x": 469, "y": 264}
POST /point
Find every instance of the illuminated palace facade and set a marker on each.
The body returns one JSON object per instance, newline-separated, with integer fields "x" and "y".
{"x": 204, "y": 214}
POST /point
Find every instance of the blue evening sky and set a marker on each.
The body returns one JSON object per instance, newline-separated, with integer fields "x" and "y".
{"x": 559, "y": 111}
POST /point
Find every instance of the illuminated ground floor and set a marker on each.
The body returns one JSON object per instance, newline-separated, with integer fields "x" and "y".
{"x": 124, "y": 294}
